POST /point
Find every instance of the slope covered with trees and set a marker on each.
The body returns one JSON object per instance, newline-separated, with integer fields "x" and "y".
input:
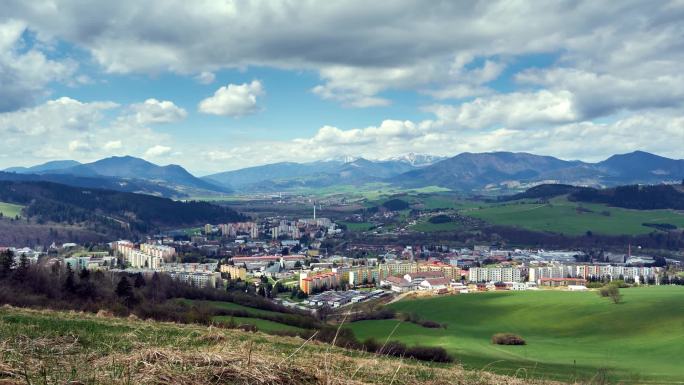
{"x": 634, "y": 197}
{"x": 52, "y": 202}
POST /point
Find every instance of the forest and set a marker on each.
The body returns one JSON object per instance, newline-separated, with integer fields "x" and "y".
{"x": 53, "y": 202}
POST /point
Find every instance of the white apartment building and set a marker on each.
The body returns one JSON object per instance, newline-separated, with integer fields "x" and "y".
{"x": 495, "y": 274}
{"x": 161, "y": 251}
{"x": 553, "y": 271}
{"x": 197, "y": 279}
{"x": 137, "y": 259}
{"x": 593, "y": 271}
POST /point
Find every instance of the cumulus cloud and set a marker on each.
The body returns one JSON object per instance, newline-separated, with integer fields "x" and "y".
{"x": 361, "y": 50}
{"x": 513, "y": 110}
{"x": 233, "y": 100}
{"x": 598, "y": 95}
{"x": 69, "y": 128}
{"x": 349, "y": 47}
{"x": 25, "y": 71}
{"x": 157, "y": 150}
{"x": 154, "y": 111}
{"x": 63, "y": 114}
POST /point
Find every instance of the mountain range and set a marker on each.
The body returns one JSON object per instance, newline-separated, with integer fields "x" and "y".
{"x": 507, "y": 170}
{"x": 124, "y": 173}
{"x": 289, "y": 175}
{"x": 466, "y": 172}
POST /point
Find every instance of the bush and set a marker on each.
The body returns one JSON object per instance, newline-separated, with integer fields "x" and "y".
{"x": 507, "y": 339}
{"x": 611, "y": 291}
{"x": 430, "y": 324}
{"x": 396, "y": 205}
{"x": 440, "y": 219}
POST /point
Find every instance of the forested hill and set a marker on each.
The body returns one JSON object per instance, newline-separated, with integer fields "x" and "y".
{"x": 638, "y": 197}
{"x": 542, "y": 191}
{"x": 635, "y": 197}
{"x": 46, "y": 201}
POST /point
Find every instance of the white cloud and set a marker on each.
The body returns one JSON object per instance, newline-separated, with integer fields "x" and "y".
{"x": 25, "y": 72}
{"x": 361, "y": 50}
{"x": 79, "y": 146}
{"x": 205, "y": 77}
{"x": 415, "y": 43}
{"x": 63, "y": 114}
{"x": 233, "y": 100}
{"x": 157, "y": 150}
{"x": 598, "y": 95}
{"x": 515, "y": 110}
{"x": 154, "y": 111}
{"x": 68, "y": 128}
{"x": 113, "y": 145}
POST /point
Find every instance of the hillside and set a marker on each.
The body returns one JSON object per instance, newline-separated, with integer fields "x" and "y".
{"x": 570, "y": 335}
{"x": 543, "y": 191}
{"x": 110, "y": 183}
{"x": 561, "y": 216}
{"x": 40, "y": 344}
{"x": 635, "y": 197}
{"x": 51, "y": 202}
{"x": 647, "y": 197}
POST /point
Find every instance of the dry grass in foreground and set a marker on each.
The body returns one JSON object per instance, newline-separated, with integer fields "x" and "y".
{"x": 48, "y": 347}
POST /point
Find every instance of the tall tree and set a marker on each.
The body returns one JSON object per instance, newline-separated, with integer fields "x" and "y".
{"x": 6, "y": 263}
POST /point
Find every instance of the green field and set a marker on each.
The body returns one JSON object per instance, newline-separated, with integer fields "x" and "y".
{"x": 357, "y": 226}
{"x": 428, "y": 227}
{"x": 254, "y": 319}
{"x": 10, "y": 210}
{"x": 563, "y": 216}
{"x": 229, "y": 306}
{"x": 261, "y": 324}
{"x": 570, "y": 335}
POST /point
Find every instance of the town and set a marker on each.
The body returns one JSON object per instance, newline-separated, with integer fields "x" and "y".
{"x": 284, "y": 260}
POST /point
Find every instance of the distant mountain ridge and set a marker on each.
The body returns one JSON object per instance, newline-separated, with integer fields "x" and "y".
{"x": 493, "y": 172}
{"x": 347, "y": 170}
{"x": 48, "y": 166}
{"x": 506, "y": 170}
{"x": 170, "y": 180}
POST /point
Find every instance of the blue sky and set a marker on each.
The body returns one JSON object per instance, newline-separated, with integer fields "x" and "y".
{"x": 219, "y": 85}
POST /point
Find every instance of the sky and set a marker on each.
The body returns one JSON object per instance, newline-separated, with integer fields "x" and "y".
{"x": 222, "y": 85}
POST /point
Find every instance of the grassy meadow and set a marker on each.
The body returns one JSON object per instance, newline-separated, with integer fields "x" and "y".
{"x": 574, "y": 218}
{"x": 10, "y": 210}
{"x": 255, "y": 316}
{"x": 571, "y": 336}
{"x": 51, "y": 347}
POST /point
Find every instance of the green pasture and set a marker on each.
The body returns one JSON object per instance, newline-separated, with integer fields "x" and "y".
{"x": 570, "y": 335}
